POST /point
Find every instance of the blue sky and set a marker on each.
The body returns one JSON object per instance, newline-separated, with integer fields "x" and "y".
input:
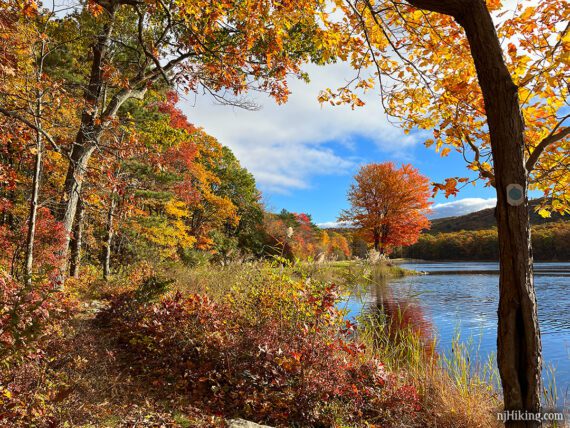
{"x": 326, "y": 195}
{"x": 304, "y": 155}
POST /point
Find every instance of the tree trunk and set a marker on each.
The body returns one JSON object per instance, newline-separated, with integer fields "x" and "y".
{"x": 518, "y": 339}
{"x": 87, "y": 137}
{"x": 73, "y": 182}
{"x": 77, "y": 240}
{"x": 384, "y": 238}
{"x": 109, "y": 237}
{"x": 30, "y": 238}
{"x": 376, "y": 239}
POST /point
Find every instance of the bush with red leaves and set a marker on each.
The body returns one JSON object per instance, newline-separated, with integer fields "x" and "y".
{"x": 27, "y": 312}
{"x": 275, "y": 351}
{"x": 31, "y": 324}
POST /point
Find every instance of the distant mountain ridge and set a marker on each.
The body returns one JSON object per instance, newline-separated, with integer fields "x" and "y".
{"x": 485, "y": 219}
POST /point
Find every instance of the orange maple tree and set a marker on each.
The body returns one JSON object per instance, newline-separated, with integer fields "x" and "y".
{"x": 389, "y": 205}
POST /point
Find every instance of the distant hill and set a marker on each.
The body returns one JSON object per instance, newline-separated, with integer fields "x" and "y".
{"x": 485, "y": 219}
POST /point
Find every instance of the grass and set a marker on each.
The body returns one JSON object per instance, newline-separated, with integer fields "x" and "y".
{"x": 355, "y": 274}
{"x": 107, "y": 389}
{"x": 455, "y": 392}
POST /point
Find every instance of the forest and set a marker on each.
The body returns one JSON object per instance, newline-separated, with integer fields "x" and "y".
{"x": 143, "y": 281}
{"x": 550, "y": 242}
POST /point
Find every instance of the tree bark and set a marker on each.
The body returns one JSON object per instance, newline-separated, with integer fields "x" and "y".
{"x": 376, "y": 239}
{"x": 77, "y": 240}
{"x": 109, "y": 237}
{"x": 518, "y": 339}
{"x": 30, "y": 238}
{"x": 72, "y": 190}
{"x": 36, "y": 181}
{"x": 88, "y": 136}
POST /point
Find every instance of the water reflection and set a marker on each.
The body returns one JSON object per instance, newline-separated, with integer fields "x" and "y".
{"x": 398, "y": 314}
{"x": 464, "y": 296}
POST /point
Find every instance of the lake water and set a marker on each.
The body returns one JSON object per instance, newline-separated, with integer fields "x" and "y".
{"x": 463, "y": 296}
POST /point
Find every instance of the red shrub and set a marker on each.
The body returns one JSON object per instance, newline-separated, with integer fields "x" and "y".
{"x": 283, "y": 359}
{"x": 31, "y": 320}
{"x": 26, "y": 312}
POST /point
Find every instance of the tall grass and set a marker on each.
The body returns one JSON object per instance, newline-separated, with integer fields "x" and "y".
{"x": 455, "y": 391}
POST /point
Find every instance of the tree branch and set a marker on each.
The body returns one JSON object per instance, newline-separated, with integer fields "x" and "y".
{"x": 447, "y": 7}
{"x": 552, "y": 138}
{"x": 119, "y": 98}
{"x": 31, "y": 125}
{"x": 483, "y": 172}
{"x": 145, "y": 50}
{"x": 124, "y": 94}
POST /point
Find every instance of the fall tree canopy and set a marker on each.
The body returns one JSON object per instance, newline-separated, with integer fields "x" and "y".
{"x": 421, "y": 62}
{"x": 492, "y": 84}
{"x": 95, "y": 153}
{"x": 388, "y": 205}
{"x": 109, "y": 54}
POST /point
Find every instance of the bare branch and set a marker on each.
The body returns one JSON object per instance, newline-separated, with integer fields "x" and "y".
{"x": 483, "y": 172}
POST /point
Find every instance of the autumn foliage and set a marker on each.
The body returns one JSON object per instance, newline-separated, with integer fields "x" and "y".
{"x": 389, "y": 205}
{"x": 271, "y": 350}
{"x": 423, "y": 68}
{"x": 104, "y": 178}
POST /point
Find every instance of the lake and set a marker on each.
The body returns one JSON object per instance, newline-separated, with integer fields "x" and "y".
{"x": 463, "y": 297}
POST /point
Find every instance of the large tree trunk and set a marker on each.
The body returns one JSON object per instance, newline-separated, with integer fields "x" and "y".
{"x": 518, "y": 341}
{"x": 77, "y": 240}
{"x": 72, "y": 190}
{"x": 109, "y": 237}
{"x": 88, "y": 136}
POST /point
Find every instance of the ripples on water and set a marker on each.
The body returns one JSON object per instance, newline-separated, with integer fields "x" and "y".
{"x": 465, "y": 296}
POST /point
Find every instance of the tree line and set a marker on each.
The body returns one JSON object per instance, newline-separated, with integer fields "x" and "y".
{"x": 550, "y": 242}
{"x": 97, "y": 162}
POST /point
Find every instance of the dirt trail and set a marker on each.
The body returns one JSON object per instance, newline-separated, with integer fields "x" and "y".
{"x": 101, "y": 389}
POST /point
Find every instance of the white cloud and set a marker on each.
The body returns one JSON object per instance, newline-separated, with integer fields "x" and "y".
{"x": 284, "y": 146}
{"x": 333, "y": 224}
{"x": 461, "y": 207}
{"x": 446, "y": 209}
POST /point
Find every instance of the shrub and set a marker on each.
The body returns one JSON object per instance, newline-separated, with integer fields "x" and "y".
{"x": 27, "y": 312}
{"x": 273, "y": 350}
{"x": 31, "y": 325}
{"x": 152, "y": 288}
